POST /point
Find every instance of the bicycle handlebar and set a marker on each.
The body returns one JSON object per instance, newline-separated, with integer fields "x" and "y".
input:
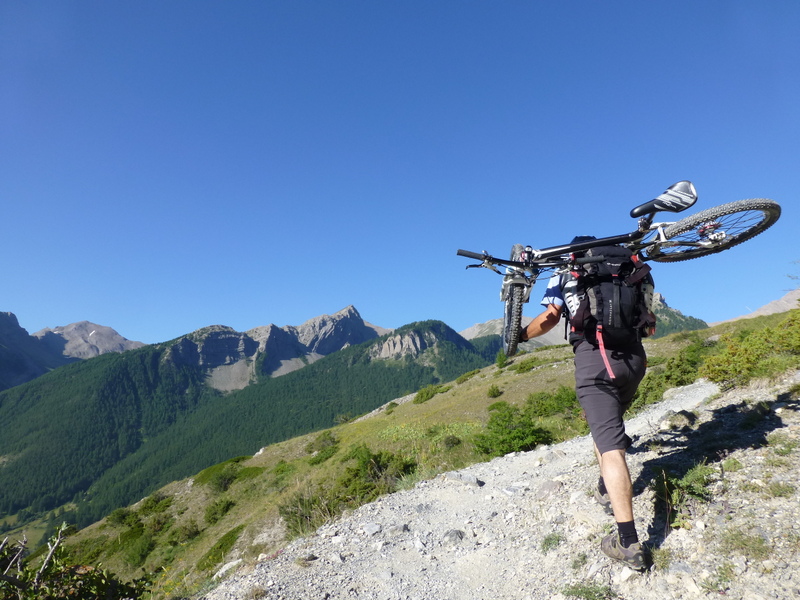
{"x": 583, "y": 260}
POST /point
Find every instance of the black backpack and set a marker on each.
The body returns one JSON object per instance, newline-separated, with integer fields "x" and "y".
{"x": 605, "y": 301}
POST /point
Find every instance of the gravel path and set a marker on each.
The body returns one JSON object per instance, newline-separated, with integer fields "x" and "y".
{"x": 525, "y": 526}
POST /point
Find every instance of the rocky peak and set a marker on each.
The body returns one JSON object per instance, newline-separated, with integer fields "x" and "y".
{"x": 214, "y": 346}
{"x": 328, "y": 333}
{"x": 84, "y": 340}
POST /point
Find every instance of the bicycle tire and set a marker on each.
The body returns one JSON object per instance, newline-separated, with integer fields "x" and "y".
{"x": 512, "y": 319}
{"x": 740, "y": 221}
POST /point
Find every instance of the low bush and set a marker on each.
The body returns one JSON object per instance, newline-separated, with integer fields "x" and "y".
{"x": 467, "y": 376}
{"x": 563, "y": 401}
{"x": 324, "y": 446}
{"x": 676, "y": 492}
{"x": 429, "y": 392}
{"x": 372, "y": 474}
{"x": 510, "y": 429}
{"x": 55, "y": 577}
{"x": 218, "y": 509}
{"x": 494, "y": 391}
{"x": 750, "y": 354}
{"x": 155, "y": 503}
{"x": 218, "y": 551}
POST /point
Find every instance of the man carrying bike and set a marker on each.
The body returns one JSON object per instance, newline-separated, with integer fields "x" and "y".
{"x": 606, "y": 379}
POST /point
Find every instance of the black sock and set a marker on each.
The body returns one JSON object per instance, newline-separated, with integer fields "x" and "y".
{"x": 627, "y": 533}
{"x": 601, "y": 487}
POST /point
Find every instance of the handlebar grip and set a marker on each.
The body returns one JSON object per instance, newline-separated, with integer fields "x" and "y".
{"x": 469, "y": 254}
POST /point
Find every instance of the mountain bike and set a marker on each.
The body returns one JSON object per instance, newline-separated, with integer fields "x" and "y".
{"x": 706, "y": 232}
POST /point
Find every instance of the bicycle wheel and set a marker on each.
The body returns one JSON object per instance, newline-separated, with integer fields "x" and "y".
{"x": 512, "y": 319}
{"x": 715, "y": 229}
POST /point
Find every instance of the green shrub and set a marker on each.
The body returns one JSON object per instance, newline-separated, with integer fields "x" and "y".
{"x": 527, "y": 365}
{"x": 324, "y": 446}
{"x": 323, "y": 455}
{"x": 218, "y": 509}
{"x": 305, "y": 512}
{"x": 551, "y": 541}
{"x": 451, "y": 441}
{"x": 429, "y": 392}
{"x": 282, "y": 471}
{"x": 372, "y": 475}
{"x": 467, "y": 376}
{"x": 547, "y": 404}
{"x": 501, "y": 360}
{"x": 494, "y": 391}
{"x": 509, "y": 430}
{"x": 245, "y": 473}
{"x": 138, "y": 550}
{"x": 761, "y": 353}
{"x": 119, "y": 516}
{"x": 224, "y": 478}
{"x": 158, "y": 522}
{"x": 183, "y": 533}
{"x": 155, "y": 503}
{"x": 218, "y": 551}
{"x": 55, "y": 577}
{"x": 220, "y": 476}
{"x": 676, "y": 492}
{"x": 589, "y": 591}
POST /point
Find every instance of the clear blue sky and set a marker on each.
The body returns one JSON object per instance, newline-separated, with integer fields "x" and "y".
{"x": 165, "y": 166}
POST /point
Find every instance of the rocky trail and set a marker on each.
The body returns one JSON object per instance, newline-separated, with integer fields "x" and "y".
{"x": 526, "y": 527}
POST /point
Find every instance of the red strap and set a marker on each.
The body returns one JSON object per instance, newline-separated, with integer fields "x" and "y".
{"x": 603, "y": 352}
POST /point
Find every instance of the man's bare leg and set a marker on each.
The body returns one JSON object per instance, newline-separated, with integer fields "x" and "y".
{"x": 614, "y": 470}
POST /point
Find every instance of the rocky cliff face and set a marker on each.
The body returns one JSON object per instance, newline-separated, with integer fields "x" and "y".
{"x": 412, "y": 342}
{"x": 233, "y": 360}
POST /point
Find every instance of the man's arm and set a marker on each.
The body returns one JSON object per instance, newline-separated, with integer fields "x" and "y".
{"x": 542, "y": 323}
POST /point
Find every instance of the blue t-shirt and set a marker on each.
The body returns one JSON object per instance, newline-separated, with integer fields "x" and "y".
{"x": 553, "y": 295}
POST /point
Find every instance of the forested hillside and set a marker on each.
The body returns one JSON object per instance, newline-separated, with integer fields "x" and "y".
{"x": 106, "y": 431}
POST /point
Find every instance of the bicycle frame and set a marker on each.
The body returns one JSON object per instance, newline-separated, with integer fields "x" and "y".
{"x": 678, "y": 197}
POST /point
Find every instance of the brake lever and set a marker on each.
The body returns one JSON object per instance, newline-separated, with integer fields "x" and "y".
{"x": 485, "y": 265}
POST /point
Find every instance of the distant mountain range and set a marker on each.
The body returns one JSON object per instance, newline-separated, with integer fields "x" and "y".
{"x": 227, "y": 356}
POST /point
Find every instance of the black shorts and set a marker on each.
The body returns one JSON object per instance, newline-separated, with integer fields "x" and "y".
{"x": 605, "y": 400}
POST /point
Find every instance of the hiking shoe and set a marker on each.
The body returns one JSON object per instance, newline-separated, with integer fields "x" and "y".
{"x": 604, "y": 501}
{"x": 633, "y": 556}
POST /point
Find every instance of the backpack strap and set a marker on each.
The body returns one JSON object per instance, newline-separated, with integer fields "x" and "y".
{"x": 604, "y": 353}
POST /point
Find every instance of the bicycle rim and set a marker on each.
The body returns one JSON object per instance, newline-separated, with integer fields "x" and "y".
{"x": 714, "y": 230}
{"x": 512, "y": 320}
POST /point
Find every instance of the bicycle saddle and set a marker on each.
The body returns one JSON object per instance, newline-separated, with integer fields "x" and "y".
{"x": 679, "y": 196}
